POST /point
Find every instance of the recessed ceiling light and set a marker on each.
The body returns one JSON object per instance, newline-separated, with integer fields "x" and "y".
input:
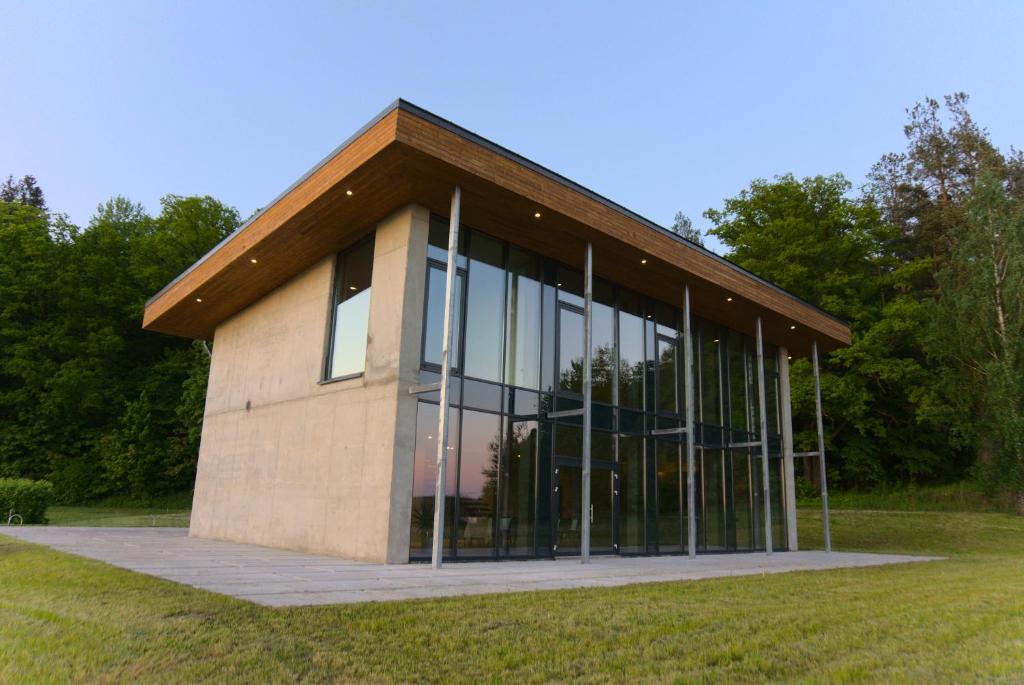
{"x": 349, "y": 193}
{"x": 351, "y": 287}
{"x": 643, "y": 261}
{"x": 199, "y": 299}
{"x": 536, "y": 215}
{"x": 559, "y": 285}
{"x": 788, "y": 357}
{"x": 715, "y": 340}
{"x": 792, "y": 328}
{"x": 254, "y": 260}
{"x": 728, "y": 299}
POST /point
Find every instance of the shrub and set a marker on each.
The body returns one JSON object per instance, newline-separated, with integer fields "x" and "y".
{"x": 30, "y": 498}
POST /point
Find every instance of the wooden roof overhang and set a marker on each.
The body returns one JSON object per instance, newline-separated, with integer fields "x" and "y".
{"x": 408, "y": 155}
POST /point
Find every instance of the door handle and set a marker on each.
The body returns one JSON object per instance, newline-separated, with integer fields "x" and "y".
{"x": 591, "y": 513}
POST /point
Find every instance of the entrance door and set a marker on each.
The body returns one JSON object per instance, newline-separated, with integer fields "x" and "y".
{"x": 568, "y": 501}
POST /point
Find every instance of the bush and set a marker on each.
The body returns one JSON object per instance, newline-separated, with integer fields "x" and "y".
{"x": 29, "y": 498}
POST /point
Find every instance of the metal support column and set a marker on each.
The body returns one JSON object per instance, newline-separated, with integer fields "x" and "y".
{"x": 588, "y": 297}
{"x": 764, "y": 441}
{"x": 691, "y": 433}
{"x": 821, "y": 447}
{"x": 437, "y": 549}
{"x": 789, "y": 479}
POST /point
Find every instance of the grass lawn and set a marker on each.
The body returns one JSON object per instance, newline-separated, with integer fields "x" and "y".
{"x": 172, "y": 510}
{"x": 64, "y": 618}
{"x": 118, "y": 516}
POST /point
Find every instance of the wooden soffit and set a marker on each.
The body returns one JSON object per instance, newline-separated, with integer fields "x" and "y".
{"x": 408, "y": 155}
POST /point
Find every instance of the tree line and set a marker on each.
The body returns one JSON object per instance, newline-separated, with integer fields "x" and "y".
{"x": 925, "y": 261}
{"x": 88, "y": 400}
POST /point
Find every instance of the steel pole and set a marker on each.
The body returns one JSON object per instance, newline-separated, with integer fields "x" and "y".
{"x": 821, "y": 447}
{"x": 437, "y": 550}
{"x": 588, "y": 297}
{"x": 764, "y": 441}
{"x": 691, "y": 434}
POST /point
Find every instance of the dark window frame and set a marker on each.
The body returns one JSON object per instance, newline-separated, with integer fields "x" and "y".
{"x": 332, "y": 310}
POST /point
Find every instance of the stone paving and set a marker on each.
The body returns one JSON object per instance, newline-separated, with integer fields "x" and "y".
{"x": 274, "y": 577}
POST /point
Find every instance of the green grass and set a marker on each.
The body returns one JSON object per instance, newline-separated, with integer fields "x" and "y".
{"x": 170, "y": 510}
{"x": 68, "y": 619}
{"x": 118, "y": 516}
{"x": 963, "y": 496}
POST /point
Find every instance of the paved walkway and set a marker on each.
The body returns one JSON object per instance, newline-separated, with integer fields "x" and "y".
{"x": 275, "y": 577}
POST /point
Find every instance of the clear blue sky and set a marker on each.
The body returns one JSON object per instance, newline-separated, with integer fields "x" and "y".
{"x": 661, "y": 107}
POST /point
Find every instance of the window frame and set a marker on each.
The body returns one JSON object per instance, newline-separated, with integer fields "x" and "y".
{"x": 332, "y": 310}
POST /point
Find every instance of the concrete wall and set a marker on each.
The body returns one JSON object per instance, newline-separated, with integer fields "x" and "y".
{"x": 287, "y": 461}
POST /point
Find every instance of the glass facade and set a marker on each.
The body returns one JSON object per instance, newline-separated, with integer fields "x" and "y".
{"x": 514, "y": 476}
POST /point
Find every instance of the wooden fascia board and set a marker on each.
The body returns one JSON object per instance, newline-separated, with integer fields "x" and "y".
{"x": 334, "y": 170}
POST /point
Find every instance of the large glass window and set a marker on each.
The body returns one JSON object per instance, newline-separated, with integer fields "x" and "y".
{"x": 433, "y": 322}
{"x": 424, "y": 479}
{"x": 602, "y": 314}
{"x": 479, "y": 455}
{"x": 631, "y": 351}
{"x": 570, "y": 350}
{"x": 710, "y": 382}
{"x": 522, "y": 357}
{"x": 670, "y": 532}
{"x": 631, "y": 494}
{"x": 485, "y": 306}
{"x": 515, "y": 477}
{"x": 351, "y": 311}
{"x": 515, "y": 524}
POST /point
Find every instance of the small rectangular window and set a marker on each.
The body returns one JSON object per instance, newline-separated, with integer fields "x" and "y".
{"x": 351, "y": 311}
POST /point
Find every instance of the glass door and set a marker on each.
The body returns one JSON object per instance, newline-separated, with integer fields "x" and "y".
{"x": 567, "y": 501}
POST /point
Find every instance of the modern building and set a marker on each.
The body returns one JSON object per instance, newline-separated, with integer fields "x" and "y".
{"x": 326, "y": 313}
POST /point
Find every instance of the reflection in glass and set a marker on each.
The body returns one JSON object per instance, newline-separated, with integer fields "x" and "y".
{"x": 631, "y": 494}
{"x": 515, "y": 523}
{"x": 424, "y": 480}
{"x": 742, "y": 505}
{"x": 570, "y": 351}
{"x": 668, "y": 395}
{"x": 478, "y": 483}
{"x": 714, "y": 500}
{"x": 570, "y": 285}
{"x": 603, "y": 352}
{"x": 631, "y": 351}
{"x": 523, "y": 329}
{"x": 739, "y": 400}
{"x": 522, "y": 358}
{"x": 351, "y": 310}
{"x": 771, "y": 383}
{"x": 485, "y": 306}
{"x": 434, "y": 321}
{"x": 710, "y": 388}
{"x": 437, "y": 242}
{"x": 670, "y": 532}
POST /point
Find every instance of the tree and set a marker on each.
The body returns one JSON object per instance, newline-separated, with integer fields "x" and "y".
{"x": 87, "y": 398}
{"x": 25, "y": 191}
{"x": 978, "y": 329}
{"x": 837, "y": 253}
{"x": 683, "y": 227}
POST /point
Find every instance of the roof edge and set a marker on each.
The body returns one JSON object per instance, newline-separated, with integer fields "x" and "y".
{"x": 280, "y": 196}
{"x": 406, "y": 106}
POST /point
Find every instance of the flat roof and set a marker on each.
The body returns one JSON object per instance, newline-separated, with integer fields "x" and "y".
{"x": 407, "y": 154}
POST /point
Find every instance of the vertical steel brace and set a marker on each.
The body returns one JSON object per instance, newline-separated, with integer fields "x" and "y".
{"x": 588, "y": 301}
{"x": 765, "y": 475}
{"x": 437, "y": 549}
